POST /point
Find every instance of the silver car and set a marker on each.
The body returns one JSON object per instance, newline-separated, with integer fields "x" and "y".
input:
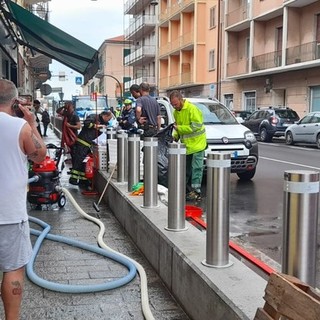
{"x": 306, "y": 130}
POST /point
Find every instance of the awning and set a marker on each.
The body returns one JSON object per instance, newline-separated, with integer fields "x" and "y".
{"x": 41, "y": 36}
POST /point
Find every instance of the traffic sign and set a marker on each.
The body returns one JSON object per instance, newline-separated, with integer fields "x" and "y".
{"x": 79, "y": 80}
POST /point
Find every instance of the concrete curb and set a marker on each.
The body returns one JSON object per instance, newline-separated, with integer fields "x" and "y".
{"x": 204, "y": 293}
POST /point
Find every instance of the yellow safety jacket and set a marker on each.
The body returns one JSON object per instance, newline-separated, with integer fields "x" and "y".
{"x": 191, "y": 130}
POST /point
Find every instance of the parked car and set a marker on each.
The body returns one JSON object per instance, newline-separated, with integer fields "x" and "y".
{"x": 271, "y": 122}
{"x": 224, "y": 133}
{"x": 306, "y": 130}
{"x": 241, "y": 115}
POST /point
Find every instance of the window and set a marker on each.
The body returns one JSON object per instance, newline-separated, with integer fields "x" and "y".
{"x": 211, "y": 60}
{"x": 212, "y": 17}
{"x": 228, "y": 101}
{"x": 250, "y": 101}
{"x": 278, "y": 56}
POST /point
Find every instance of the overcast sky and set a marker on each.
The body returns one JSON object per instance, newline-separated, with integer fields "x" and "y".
{"x": 90, "y": 22}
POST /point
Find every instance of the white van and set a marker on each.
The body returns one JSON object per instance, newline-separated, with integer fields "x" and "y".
{"x": 224, "y": 133}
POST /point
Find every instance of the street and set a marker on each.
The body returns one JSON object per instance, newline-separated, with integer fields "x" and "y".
{"x": 256, "y": 207}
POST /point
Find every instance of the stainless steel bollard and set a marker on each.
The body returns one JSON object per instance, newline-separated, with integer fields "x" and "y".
{"x": 218, "y": 180}
{"x": 150, "y": 172}
{"x": 300, "y": 221}
{"x": 176, "y": 187}
{"x": 111, "y": 133}
{"x": 122, "y": 159}
{"x": 133, "y": 160}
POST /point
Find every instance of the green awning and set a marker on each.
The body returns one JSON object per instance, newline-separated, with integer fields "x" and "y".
{"x": 41, "y": 36}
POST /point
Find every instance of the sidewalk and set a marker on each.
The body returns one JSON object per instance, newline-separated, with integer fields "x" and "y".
{"x": 61, "y": 263}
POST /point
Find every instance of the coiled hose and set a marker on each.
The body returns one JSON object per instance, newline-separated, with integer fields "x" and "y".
{"x": 66, "y": 288}
{"x": 143, "y": 277}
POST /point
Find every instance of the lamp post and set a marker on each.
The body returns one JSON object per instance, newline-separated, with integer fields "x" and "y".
{"x": 101, "y": 75}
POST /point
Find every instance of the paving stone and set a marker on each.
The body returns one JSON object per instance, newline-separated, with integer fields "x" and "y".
{"x": 65, "y": 264}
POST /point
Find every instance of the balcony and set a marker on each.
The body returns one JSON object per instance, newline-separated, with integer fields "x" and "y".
{"x": 30, "y": 2}
{"x": 238, "y": 67}
{"x": 141, "y": 26}
{"x": 175, "y": 9}
{"x": 303, "y": 53}
{"x": 135, "y": 6}
{"x": 267, "y": 61}
{"x": 140, "y": 78}
{"x": 238, "y": 17}
{"x": 298, "y": 3}
{"x": 143, "y": 54}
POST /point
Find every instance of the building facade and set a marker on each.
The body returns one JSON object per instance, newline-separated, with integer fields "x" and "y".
{"x": 26, "y": 68}
{"x": 113, "y": 72}
{"x": 188, "y": 47}
{"x": 271, "y": 54}
{"x": 142, "y": 34}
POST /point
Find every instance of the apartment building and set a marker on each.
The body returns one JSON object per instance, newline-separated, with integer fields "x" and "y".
{"x": 188, "y": 51}
{"x": 141, "y": 32}
{"x": 26, "y": 68}
{"x": 113, "y": 73}
{"x": 271, "y": 54}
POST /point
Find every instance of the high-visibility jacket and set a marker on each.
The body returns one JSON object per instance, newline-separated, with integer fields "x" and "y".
{"x": 191, "y": 130}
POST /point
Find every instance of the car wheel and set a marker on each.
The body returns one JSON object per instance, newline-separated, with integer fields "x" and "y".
{"x": 289, "y": 138}
{"x": 318, "y": 141}
{"x": 264, "y": 136}
{"x": 247, "y": 175}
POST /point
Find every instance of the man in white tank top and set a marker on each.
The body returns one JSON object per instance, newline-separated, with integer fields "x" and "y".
{"x": 20, "y": 141}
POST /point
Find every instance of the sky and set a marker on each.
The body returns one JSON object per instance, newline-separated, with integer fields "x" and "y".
{"x": 90, "y": 22}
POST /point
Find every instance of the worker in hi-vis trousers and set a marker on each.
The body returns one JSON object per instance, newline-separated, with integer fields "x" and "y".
{"x": 89, "y": 132}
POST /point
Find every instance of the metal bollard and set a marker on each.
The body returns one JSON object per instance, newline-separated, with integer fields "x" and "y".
{"x": 218, "y": 180}
{"x": 122, "y": 159}
{"x": 176, "y": 187}
{"x": 133, "y": 160}
{"x": 150, "y": 172}
{"x": 300, "y": 221}
{"x": 111, "y": 133}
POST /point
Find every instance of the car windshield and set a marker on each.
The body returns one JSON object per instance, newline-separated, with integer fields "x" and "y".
{"x": 287, "y": 113}
{"x": 84, "y": 103}
{"x": 215, "y": 113}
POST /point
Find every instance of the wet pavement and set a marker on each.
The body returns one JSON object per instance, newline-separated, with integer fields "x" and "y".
{"x": 63, "y": 264}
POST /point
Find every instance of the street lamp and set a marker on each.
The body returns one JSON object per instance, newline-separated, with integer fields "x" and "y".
{"x": 101, "y": 75}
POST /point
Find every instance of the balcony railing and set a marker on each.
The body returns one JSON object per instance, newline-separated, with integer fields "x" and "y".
{"x": 303, "y": 53}
{"x": 143, "y": 52}
{"x": 139, "y": 23}
{"x": 174, "y": 9}
{"x": 238, "y": 67}
{"x": 238, "y": 15}
{"x": 267, "y": 61}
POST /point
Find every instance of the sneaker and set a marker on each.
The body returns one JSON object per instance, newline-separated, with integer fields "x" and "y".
{"x": 193, "y": 196}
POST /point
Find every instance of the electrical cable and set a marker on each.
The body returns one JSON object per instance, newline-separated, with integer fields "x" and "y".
{"x": 143, "y": 277}
{"x": 66, "y": 288}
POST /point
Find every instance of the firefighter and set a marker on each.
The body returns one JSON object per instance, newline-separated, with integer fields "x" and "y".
{"x": 83, "y": 146}
{"x": 127, "y": 119}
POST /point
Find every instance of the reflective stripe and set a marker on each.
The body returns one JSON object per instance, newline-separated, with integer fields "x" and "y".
{"x": 196, "y": 125}
{"x": 77, "y": 173}
{"x": 193, "y": 134}
{"x": 301, "y": 187}
{"x": 85, "y": 143}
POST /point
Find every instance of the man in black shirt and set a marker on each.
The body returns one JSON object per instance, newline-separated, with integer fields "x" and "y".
{"x": 36, "y": 105}
{"x": 147, "y": 112}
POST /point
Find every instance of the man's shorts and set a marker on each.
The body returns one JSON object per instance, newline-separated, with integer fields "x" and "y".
{"x": 15, "y": 246}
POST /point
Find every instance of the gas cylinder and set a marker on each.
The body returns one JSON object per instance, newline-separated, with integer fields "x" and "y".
{"x": 89, "y": 167}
